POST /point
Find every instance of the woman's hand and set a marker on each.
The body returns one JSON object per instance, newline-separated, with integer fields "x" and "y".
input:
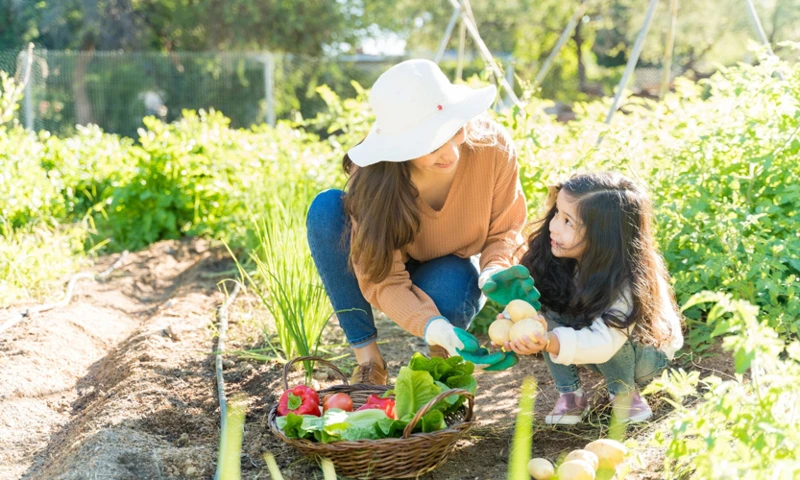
{"x": 531, "y": 344}
{"x": 513, "y": 283}
{"x": 439, "y": 331}
{"x": 459, "y": 342}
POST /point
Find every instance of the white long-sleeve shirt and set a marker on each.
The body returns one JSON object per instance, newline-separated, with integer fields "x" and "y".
{"x": 598, "y": 342}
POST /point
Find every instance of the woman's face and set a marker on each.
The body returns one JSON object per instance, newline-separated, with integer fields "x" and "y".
{"x": 444, "y": 159}
{"x": 566, "y": 233}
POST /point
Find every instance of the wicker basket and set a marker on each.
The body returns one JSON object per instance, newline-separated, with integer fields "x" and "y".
{"x": 410, "y": 456}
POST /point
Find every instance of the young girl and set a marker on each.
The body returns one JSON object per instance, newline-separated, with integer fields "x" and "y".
{"x": 605, "y": 296}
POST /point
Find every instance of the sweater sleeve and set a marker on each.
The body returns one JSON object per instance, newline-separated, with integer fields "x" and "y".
{"x": 594, "y": 344}
{"x": 398, "y": 298}
{"x": 508, "y": 211}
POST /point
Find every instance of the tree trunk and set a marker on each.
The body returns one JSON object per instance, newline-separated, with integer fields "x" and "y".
{"x": 83, "y": 108}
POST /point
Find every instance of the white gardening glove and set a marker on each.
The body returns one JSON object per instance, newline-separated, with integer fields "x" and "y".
{"x": 440, "y": 332}
{"x": 460, "y": 342}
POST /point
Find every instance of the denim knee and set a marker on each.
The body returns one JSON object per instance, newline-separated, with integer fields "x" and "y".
{"x": 325, "y": 215}
{"x": 461, "y": 315}
{"x": 650, "y": 362}
{"x": 452, "y": 283}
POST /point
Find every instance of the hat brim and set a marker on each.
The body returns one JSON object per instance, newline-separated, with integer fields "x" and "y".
{"x": 426, "y": 137}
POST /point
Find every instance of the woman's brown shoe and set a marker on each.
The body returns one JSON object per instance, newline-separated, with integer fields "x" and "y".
{"x": 370, "y": 374}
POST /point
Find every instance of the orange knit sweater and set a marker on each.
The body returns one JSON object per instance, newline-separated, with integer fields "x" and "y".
{"x": 484, "y": 213}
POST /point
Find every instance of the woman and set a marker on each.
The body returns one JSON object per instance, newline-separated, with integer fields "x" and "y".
{"x": 434, "y": 185}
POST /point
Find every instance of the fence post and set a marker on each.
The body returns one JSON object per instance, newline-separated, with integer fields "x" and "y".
{"x": 446, "y": 38}
{"x": 762, "y": 37}
{"x": 673, "y": 8}
{"x": 632, "y": 60}
{"x": 510, "y": 75}
{"x": 28, "y": 92}
{"x": 269, "y": 88}
{"x": 548, "y": 62}
{"x": 462, "y": 40}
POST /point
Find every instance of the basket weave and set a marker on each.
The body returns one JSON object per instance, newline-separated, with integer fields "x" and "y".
{"x": 410, "y": 456}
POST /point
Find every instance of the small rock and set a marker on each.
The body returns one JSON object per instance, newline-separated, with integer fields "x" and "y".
{"x": 170, "y": 332}
{"x": 321, "y": 375}
{"x": 228, "y": 363}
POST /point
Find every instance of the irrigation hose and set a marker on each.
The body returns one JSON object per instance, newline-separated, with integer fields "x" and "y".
{"x": 222, "y": 317}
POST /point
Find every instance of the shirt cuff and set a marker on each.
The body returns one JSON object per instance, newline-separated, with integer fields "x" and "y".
{"x": 486, "y": 274}
{"x": 568, "y": 343}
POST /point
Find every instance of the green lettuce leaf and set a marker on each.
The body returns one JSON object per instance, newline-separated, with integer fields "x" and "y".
{"x": 437, "y": 367}
{"x": 412, "y": 391}
{"x": 335, "y": 425}
{"x": 299, "y": 426}
{"x": 432, "y": 421}
{"x": 440, "y": 369}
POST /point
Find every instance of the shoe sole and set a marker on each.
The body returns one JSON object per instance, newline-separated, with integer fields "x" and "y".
{"x": 640, "y": 417}
{"x": 564, "y": 419}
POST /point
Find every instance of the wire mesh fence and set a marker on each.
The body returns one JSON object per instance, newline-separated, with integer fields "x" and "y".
{"x": 115, "y": 90}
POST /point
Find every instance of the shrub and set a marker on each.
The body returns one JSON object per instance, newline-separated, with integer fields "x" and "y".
{"x": 743, "y": 427}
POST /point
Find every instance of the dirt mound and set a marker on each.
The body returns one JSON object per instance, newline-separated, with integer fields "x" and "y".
{"x": 117, "y": 384}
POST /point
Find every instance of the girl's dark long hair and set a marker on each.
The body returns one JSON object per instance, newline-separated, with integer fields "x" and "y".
{"x": 615, "y": 217}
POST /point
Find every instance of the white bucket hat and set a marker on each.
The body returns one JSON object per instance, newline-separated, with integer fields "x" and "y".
{"x": 417, "y": 110}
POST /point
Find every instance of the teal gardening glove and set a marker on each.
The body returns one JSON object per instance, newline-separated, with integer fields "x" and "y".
{"x": 457, "y": 341}
{"x": 513, "y": 283}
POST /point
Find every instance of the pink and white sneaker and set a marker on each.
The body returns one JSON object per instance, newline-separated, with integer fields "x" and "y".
{"x": 631, "y": 408}
{"x": 569, "y": 410}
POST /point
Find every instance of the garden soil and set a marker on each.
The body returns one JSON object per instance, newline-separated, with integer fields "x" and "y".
{"x": 120, "y": 383}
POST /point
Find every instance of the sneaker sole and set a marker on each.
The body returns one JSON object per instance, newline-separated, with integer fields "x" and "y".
{"x": 563, "y": 419}
{"x": 640, "y": 417}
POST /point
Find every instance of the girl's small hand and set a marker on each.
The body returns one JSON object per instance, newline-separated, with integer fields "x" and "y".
{"x": 528, "y": 345}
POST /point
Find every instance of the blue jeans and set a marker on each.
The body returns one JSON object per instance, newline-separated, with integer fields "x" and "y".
{"x": 450, "y": 281}
{"x": 633, "y": 364}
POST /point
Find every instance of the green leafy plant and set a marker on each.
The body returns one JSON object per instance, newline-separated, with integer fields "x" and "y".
{"x": 32, "y": 257}
{"x": 744, "y": 427}
{"x": 287, "y": 282}
{"x": 10, "y": 95}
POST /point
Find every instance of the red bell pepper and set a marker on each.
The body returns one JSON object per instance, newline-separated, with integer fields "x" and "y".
{"x": 385, "y": 404}
{"x": 300, "y": 400}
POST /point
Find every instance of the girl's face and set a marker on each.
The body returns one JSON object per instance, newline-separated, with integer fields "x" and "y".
{"x": 566, "y": 233}
{"x": 444, "y": 159}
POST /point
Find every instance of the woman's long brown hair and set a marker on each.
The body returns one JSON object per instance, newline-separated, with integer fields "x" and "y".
{"x": 382, "y": 201}
{"x": 619, "y": 254}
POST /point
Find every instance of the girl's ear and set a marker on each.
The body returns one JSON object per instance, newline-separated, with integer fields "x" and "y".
{"x": 552, "y": 196}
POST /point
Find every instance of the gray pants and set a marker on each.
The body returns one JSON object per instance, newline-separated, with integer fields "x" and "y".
{"x": 633, "y": 364}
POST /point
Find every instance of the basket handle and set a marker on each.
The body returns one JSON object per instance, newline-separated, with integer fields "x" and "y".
{"x": 422, "y": 411}
{"x": 288, "y": 365}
